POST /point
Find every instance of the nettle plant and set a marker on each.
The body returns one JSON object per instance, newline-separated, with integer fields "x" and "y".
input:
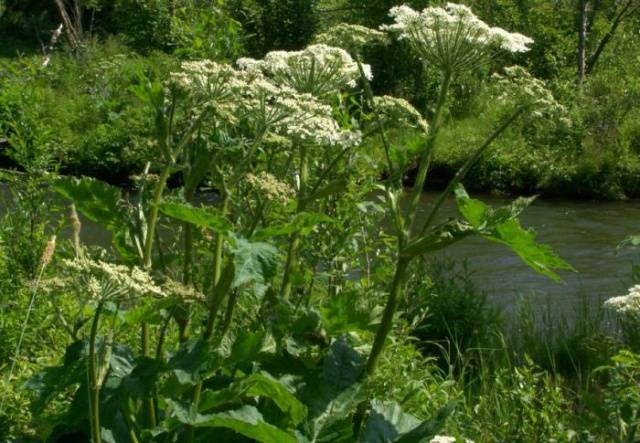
{"x": 252, "y": 323}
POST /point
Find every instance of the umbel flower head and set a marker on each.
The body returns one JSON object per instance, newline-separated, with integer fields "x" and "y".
{"x": 261, "y": 94}
{"x": 109, "y": 280}
{"x": 400, "y": 113}
{"x": 205, "y": 78}
{"x": 318, "y": 69}
{"x": 626, "y": 306}
{"x": 352, "y": 38}
{"x": 452, "y": 38}
{"x": 517, "y": 86}
{"x": 270, "y": 187}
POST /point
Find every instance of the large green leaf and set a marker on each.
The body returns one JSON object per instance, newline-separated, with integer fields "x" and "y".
{"x": 303, "y": 223}
{"x": 195, "y": 361}
{"x": 539, "y": 257}
{"x": 334, "y": 424}
{"x": 329, "y": 189}
{"x": 246, "y": 420}
{"x": 257, "y": 385}
{"x": 247, "y": 347}
{"x": 96, "y": 200}
{"x": 204, "y": 217}
{"x": 341, "y": 314}
{"x": 427, "y": 429}
{"x": 388, "y": 423}
{"x": 343, "y": 367}
{"x": 438, "y": 238}
{"x": 482, "y": 216}
{"x": 502, "y": 226}
{"x": 255, "y": 263}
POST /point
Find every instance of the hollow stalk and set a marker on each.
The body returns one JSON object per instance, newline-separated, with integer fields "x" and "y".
{"x": 294, "y": 240}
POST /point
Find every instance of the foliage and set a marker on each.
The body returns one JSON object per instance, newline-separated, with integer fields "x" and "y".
{"x": 263, "y": 278}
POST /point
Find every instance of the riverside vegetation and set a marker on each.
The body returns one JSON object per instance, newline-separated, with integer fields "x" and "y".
{"x": 292, "y": 305}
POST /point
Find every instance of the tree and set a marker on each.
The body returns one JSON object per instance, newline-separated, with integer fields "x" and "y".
{"x": 587, "y": 12}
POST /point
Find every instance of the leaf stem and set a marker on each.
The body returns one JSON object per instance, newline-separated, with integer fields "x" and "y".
{"x": 387, "y": 317}
{"x": 94, "y": 382}
{"x": 464, "y": 170}
{"x": 427, "y": 153}
{"x": 294, "y": 240}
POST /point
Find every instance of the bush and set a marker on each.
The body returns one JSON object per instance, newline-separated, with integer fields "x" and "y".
{"x": 452, "y": 314}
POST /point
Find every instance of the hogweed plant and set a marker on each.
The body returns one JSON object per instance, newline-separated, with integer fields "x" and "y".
{"x": 453, "y": 39}
{"x": 251, "y": 304}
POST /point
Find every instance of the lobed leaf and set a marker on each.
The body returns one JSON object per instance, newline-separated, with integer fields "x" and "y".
{"x": 204, "y": 217}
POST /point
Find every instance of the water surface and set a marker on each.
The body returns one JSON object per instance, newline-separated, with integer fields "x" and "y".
{"x": 584, "y": 233}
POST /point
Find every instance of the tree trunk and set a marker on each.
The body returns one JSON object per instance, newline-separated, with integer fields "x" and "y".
{"x": 620, "y": 16}
{"x": 73, "y": 34}
{"x": 583, "y": 24}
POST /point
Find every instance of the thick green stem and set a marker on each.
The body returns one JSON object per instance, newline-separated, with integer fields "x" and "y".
{"x": 387, "y": 317}
{"x": 294, "y": 240}
{"x": 152, "y": 222}
{"x": 228, "y": 315}
{"x": 94, "y": 382}
{"x": 152, "y": 219}
{"x": 425, "y": 157}
{"x": 214, "y": 306}
{"x": 188, "y": 253}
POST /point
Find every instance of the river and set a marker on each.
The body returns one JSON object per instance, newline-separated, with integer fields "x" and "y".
{"x": 584, "y": 233}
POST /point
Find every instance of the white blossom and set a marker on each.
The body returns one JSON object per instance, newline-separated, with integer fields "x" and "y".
{"x": 102, "y": 277}
{"x": 519, "y": 87}
{"x": 452, "y": 37}
{"x": 183, "y": 292}
{"x": 399, "y": 112}
{"x": 350, "y": 37}
{"x": 627, "y": 306}
{"x": 204, "y": 78}
{"x": 270, "y": 187}
{"x": 261, "y": 94}
{"x": 318, "y": 69}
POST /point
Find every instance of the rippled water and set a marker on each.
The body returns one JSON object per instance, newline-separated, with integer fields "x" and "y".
{"x": 585, "y": 234}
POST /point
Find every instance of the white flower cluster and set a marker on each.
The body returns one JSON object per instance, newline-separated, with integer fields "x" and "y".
{"x": 350, "y": 37}
{"x": 204, "y": 77}
{"x": 260, "y": 96}
{"x": 627, "y": 306}
{"x": 399, "y": 112}
{"x": 178, "y": 290}
{"x": 518, "y": 86}
{"x": 318, "y": 69}
{"x": 452, "y": 37}
{"x": 310, "y": 122}
{"x": 270, "y": 186}
{"x": 109, "y": 279}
